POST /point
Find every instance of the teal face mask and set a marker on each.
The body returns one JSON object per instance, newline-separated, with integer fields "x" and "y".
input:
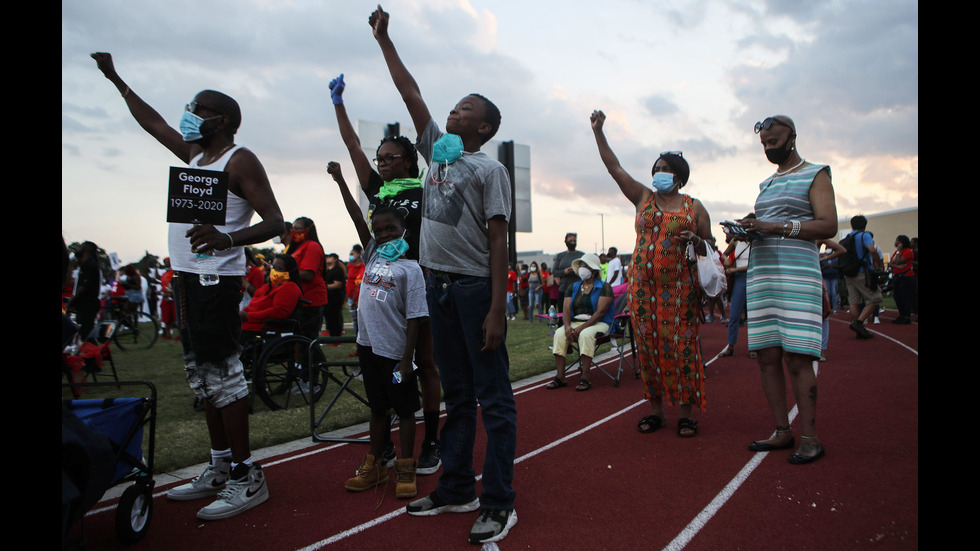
{"x": 447, "y": 149}
{"x": 394, "y": 249}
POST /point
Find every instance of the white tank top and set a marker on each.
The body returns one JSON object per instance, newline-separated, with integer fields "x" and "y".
{"x": 231, "y": 262}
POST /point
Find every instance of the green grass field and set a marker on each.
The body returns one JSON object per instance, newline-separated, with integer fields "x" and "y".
{"x": 181, "y": 435}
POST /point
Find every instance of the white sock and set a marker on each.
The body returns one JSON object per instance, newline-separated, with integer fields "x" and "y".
{"x": 217, "y": 455}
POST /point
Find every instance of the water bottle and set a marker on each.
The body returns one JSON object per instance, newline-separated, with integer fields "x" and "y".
{"x": 396, "y": 375}
{"x": 207, "y": 267}
{"x": 551, "y": 311}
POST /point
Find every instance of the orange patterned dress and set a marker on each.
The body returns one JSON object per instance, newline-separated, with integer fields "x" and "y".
{"x": 664, "y": 302}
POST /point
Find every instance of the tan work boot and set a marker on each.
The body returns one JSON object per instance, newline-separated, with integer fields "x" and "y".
{"x": 405, "y": 478}
{"x": 369, "y": 474}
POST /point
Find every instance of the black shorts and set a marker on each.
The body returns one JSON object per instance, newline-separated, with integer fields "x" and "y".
{"x": 382, "y": 393}
{"x": 209, "y": 322}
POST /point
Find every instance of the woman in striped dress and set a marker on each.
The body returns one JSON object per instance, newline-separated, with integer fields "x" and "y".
{"x": 795, "y": 208}
{"x": 664, "y": 297}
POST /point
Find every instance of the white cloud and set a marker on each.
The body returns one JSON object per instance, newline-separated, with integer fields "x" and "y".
{"x": 670, "y": 75}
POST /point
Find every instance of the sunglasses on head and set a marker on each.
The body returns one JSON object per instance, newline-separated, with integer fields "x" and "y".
{"x": 767, "y": 124}
{"x": 192, "y": 106}
{"x": 678, "y": 153}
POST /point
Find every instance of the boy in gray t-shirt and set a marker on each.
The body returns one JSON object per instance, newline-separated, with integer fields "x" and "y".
{"x": 466, "y": 207}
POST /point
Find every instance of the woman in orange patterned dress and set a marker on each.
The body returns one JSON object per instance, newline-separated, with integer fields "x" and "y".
{"x": 664, "y": 296}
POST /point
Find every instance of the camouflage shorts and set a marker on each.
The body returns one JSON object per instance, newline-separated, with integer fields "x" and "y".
{"x": 219, "y": 383}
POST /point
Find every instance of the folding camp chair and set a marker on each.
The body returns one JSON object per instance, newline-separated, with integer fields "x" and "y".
{"x": 96, "y": 352}
{"x": 618, "y": 335}
{"x": 321, "y": 373}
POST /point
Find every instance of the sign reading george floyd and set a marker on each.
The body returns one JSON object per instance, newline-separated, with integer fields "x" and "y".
{"x": 197, "y": 196}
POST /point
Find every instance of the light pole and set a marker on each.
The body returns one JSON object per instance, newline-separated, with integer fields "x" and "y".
{"x": 602, "y": 223}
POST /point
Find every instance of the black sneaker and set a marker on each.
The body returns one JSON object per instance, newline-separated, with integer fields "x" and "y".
{"x": 492, "y": 525}
{"x": 388, "y": 456}
{"x": 429, "y": 461}
{"x": 859, "y": 328}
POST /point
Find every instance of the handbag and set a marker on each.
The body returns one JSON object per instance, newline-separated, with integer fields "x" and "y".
{"x": 711, "y": 274}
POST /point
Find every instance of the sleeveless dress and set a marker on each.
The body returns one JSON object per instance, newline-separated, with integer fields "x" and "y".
{"x": 784, "y": 286}
{"x": 664, "y": 300}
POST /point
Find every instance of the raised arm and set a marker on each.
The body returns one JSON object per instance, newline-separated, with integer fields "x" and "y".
{"x": 636, "y": 192}
{"x": 362, "y": 165}
{"x": 404, "y": 82}
{"x": 146, "y": 116}
{"x": 353, "y": 209}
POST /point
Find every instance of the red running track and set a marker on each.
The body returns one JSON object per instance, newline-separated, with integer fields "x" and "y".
{"x": 586, "y": 479}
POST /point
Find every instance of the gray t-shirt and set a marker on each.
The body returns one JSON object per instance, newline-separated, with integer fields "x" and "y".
{"x": 563, "y": 261}
{"x": 391, "y": 294}
{"x": 457, "y": 203}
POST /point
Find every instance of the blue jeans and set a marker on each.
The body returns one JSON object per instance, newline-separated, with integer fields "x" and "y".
{"x": 736, "y": 307}
{"x": 534, "y": 301}
{"x": 830, "y": 283}
{"x": 471, "y": 379}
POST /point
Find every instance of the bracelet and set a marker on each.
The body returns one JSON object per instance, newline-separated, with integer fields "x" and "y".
{"x": 230, "y": 240}
{"x": 126, "y": 92}
{"x": 796, "y": 228}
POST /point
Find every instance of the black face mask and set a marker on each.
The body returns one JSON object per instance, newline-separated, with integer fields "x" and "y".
{"x": 778, "y": 155}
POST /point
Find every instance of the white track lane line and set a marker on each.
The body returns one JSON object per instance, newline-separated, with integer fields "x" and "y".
{"x": 702, "y": 518}
{"x": 903, "y": 345}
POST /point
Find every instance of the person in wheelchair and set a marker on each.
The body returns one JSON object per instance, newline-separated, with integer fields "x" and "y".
{"x": 274, "y": 300}
{"x": 587, "y": 312}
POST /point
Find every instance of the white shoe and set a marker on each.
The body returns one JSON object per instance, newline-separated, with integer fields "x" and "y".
{"x": 239, "y": 495}
{"x": 208, "y": 483}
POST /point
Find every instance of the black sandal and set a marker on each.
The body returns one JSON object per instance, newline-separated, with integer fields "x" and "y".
{"x": 556, "y": 383}
{"x": 686, "y": 423}
{"x": 583, "y": 385}
{"x": 651, "y": 422}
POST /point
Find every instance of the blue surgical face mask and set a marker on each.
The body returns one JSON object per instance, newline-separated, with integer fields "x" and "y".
{"x": 394, "y": 249}
{"x": 663, "y": 181}
{"x": 447, "y": 149}
{"x": 190, "y": 126}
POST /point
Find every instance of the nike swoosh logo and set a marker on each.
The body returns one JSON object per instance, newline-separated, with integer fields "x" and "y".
{"x": 250, "y": 493}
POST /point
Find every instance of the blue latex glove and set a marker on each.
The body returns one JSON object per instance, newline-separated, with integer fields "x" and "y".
{"x": 337, "y": 90}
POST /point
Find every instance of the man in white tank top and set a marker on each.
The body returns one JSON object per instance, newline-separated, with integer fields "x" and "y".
{"x": 210, "y": 332}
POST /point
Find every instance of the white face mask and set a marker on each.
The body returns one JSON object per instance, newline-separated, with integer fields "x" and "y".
{"x": 584, "y": 273}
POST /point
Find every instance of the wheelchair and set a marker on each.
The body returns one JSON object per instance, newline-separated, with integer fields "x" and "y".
{"x": 278, "y": 361}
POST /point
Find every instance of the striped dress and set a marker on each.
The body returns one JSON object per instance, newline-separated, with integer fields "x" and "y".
{"x": 784, "y": 285}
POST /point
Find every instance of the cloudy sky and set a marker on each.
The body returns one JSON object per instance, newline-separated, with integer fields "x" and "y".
{"x": 691, "y": 75}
